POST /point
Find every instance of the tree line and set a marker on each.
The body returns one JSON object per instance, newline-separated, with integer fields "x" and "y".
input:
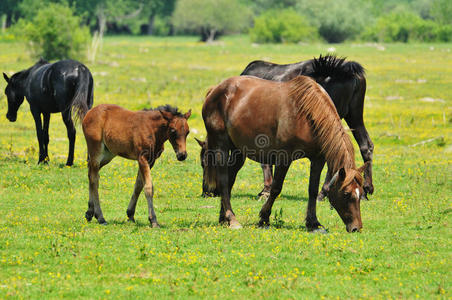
{"x": 264, "y": 20}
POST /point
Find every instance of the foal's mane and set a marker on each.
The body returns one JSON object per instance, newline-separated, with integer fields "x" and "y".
{"x": 171, "y": 109}
{"x": 313, "y": 102}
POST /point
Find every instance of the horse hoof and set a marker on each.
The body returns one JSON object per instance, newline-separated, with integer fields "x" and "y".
{"x": 155, "y": 225}
{"x": 131, "y": 220}
{"x": 235, "y": 225}
{"x": 263, "y": 196}
{"x": 88, "y": 217}
{"x": 102, "y": 222}
{"x": 318, "y": 231}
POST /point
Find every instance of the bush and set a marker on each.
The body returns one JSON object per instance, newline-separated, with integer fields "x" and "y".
{"x": 336, "y": 21}
{"x": 55, "y": 33}
{"x": 281, "y": 26}
{"x": 405, "y": 27}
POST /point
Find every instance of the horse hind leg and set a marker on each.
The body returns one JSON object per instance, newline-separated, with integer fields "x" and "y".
{"x": 71, "y": 133}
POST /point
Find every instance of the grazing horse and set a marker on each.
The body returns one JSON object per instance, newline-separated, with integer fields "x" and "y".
{"x": 345, "y": 83}
{"x": 275, "y": 123}
{"x": 111, "y": 130}
{"x": 64, "y": 86}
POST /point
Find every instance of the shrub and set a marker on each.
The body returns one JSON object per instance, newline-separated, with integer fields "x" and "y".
{"x": 405, "y": 27}
{"x": 336, "y": 21}
{"x": 55, "y": 33}
{"x": 281, "y": 26}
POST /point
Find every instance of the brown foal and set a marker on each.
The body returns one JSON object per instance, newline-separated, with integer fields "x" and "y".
{"x": 111, "y": 130}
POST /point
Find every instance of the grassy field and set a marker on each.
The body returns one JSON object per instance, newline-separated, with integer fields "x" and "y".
{"x": 48, "y": 250}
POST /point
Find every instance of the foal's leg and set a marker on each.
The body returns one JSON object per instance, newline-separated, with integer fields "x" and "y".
{"x": 45, "y": 130}
{"x": 39, "y": 133}
{"x": 278, "y": 180}
{"x": 312, "y": 224}
{"x": 136, "y": 193}
{"x": 268, "y": 178}
{"x": 148, "y": 189}
{"x": 67, "y": 118}
{"x": 94, "y": 204}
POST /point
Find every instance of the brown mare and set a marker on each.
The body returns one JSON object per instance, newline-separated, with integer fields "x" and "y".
{"x": 276, "y": 123}
{"x": 111, "y": 130}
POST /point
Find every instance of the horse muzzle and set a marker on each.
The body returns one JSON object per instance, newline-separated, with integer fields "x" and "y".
{"x": 11, "y": 118}
{"x": 181, "y": 156}
{"x": 353, "y": 228}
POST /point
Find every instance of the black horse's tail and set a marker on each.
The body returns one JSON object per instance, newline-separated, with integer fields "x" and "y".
{"x": 83, "y": 96}
{"x": 335, "y": 67}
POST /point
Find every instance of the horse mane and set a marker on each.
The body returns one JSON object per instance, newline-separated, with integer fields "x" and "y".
{"x": 171, "y": 109}
{"x": 333, "y": 66}
{"x": 313, "y": 102}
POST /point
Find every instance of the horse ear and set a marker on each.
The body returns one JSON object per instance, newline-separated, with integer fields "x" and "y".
{"x": 201, "y": 143}
{"x": 6, "y": 77}
{"x": 341, "y": 174}
{"x": 364, "y": 167}
{"x": 187, "y": 114}
{"x": 166, "y": 115}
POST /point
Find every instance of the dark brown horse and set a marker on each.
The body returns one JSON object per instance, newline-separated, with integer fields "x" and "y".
{"x": 345, "y": 83}
{"x": 276, "y": 123}
{"x": 111, "y": 130}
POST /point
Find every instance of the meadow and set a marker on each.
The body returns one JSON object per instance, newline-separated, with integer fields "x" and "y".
{"x": 48, "y": 250}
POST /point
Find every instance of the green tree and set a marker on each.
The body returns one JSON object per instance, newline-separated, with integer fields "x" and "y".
{"x": 441, "y": 11}
{"x": 281, "y": 26}
{"x": 55, "y": 33}
{"x": 336, "y": 21}
{"x": 210, "y": 17}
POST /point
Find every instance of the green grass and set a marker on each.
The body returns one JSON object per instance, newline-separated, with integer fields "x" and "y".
{"x": 48, "y": 250}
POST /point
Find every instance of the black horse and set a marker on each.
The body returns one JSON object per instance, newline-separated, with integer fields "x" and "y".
{"x": 344, "y": 81}
{"x": 65, "y": 86}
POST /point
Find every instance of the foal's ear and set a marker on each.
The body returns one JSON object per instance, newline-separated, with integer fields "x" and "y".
{"x": 187, "y": 114}
{"x": 364, "y": 167}
{"x": 166, "y": 115}
{"x": 201, "y": 143}
{"x": 6, "y": 77}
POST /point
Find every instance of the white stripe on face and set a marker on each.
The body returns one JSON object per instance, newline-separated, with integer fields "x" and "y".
{"x": 357, "y": 192}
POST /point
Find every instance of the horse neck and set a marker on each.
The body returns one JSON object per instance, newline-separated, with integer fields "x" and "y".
{"x": 160, "y": 128}
{"x": 341, "y": 154}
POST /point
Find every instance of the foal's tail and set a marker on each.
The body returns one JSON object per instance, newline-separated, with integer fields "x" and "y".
{"x": 83, "y": 97}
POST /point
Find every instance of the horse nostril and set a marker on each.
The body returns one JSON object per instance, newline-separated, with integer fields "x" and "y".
{"x": 354, "y": 229}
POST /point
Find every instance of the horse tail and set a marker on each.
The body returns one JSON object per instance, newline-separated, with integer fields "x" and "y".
{"x": 83, "y": 96}
{"x": 335, "y": 67}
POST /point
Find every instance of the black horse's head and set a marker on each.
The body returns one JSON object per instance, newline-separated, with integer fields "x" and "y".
{"x": 15, "y": 96}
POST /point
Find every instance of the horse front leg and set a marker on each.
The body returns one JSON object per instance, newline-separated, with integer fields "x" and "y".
{"x": 277, "y": 184}
{"x": 45, "y": 133}
{"x": 267, "y": 171}
{"x": 136, "y": 193}
{"x": 39, "y": 134}
{"x": 312, "y": 223}
{"x": 366, "y": 147}
{"x": 148, "y": 187}
{"x": 71, "y": 133}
